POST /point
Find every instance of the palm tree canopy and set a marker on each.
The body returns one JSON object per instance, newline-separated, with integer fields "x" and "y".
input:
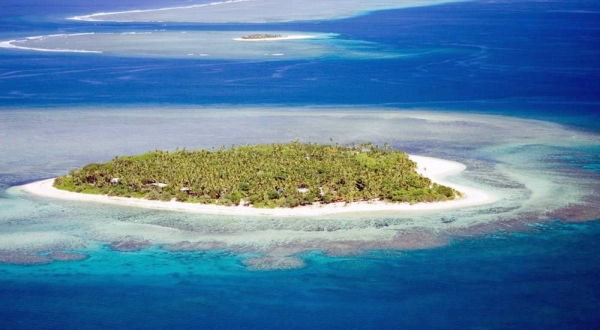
{"x": 273, "y": 175}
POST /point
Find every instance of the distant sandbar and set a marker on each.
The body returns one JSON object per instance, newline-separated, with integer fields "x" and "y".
{"x": 272, "y": 37}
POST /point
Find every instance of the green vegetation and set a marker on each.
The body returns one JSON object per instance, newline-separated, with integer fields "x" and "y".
{"x": 276, "y": 175}
{"x": 262, "y": 36}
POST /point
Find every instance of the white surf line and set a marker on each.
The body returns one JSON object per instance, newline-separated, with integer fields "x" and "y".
{"x": 90, "y": 17}
{"x": 9, "y": 44}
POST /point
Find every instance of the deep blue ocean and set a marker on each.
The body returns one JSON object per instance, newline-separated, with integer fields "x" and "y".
{"x": 544, "y": 280}
{"x": 527, "y": 59}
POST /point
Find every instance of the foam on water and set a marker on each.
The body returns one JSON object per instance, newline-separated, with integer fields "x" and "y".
{"x": 507, "y": 156}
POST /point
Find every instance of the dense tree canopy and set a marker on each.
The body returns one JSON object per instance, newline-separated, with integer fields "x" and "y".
{"x": 275, "y": 175}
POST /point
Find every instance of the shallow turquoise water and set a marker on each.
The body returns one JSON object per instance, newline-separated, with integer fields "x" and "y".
{"x": 539, "y": 279}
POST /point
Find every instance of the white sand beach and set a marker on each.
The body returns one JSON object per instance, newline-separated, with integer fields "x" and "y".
{"x": 434, "y": 168}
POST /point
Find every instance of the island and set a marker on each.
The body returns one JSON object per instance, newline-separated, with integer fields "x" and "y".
{"x": 273, "y": 37}
{"x": 259, "y": 36}
{"x": 263, "y": 176}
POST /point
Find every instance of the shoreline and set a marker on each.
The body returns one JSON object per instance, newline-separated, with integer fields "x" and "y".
{"x": 434, "y": 168}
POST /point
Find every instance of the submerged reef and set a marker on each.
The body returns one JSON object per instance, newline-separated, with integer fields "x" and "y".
{"x": 541, "y": 172}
